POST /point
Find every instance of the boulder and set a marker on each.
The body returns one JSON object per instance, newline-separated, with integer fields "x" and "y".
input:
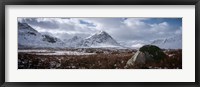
{"x": 145, "y": 55}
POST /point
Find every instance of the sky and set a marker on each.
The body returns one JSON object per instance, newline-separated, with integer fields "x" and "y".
{"x": 126, "y": 31}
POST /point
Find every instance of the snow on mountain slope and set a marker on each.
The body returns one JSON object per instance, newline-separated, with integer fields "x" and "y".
{"x": 29, "y": 37}
{"x": 174, "y": 42}
{"x": 74, "y": 41}
{"x": 100, "y": 39}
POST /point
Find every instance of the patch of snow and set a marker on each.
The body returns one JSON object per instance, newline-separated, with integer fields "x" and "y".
{"x": 137, "y": 45}
{"x": 46, "y": 52}
{"x": 34, "y": 51}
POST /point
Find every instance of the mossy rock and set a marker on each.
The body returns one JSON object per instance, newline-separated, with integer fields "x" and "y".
{"x": 156, "y": 53}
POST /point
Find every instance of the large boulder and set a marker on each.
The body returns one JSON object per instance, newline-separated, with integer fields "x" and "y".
{"x": 145, "y": 55}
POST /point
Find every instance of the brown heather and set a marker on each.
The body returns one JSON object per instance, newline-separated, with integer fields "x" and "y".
{"x": 114, "y": 60}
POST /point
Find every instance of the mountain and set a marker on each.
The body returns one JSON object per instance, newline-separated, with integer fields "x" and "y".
{"x": 99, "y": 39}
{"x": 29, "y": 37}
{"x": 74, "y": 41}
{"x": 174, "y": 42}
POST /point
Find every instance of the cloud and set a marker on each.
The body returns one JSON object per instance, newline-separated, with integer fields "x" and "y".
{"x": 57, "y": 24}
{"x": 47, "y": 23}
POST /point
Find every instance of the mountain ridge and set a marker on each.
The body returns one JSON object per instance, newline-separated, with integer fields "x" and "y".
{"x": 174, "y": 42}
{"x": 29, "y": 37}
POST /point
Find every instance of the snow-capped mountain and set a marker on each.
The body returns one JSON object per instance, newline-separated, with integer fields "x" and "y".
{"x": 100, "y": 39}
{"x": 174, "y": 42}
{"x": 29, "y": 37}
{"x": 97, "y": 40}
{"x": 74, "y": 41}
